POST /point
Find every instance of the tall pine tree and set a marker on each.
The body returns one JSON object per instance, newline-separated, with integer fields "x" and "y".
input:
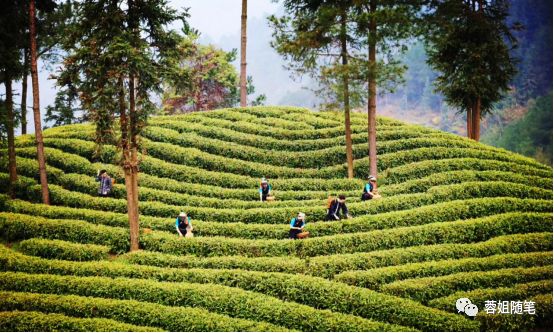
{"x": 385, "y": 28}
{"x": 469, "y": 43}
{"x": 317, "y": 38}
{"x": 118, "y": 52}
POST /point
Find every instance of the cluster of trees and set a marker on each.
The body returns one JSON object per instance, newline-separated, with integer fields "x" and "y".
{"x": 531, "y": 135}
{"x": 205, "y": 79}
{"x": 353, "y": 46}
{"x": 115, "y": 56}
{"x": 23, "y": 38}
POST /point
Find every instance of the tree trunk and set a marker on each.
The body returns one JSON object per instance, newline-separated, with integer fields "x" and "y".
{"x": 477, "y": 120}
{"x": 134, "y": 227}
{"x": 243, "y": 55}
{"x": 132, "y": 207}
{"x": 469, "y": 122}
{"x": 36, "y": 106}
{"x": 130, "y": 166}
{"x": 24, "y": 92}
{"x": 372, "y": 93}
{"x": 346, "y": 97}
{"x": 12, "y": 167}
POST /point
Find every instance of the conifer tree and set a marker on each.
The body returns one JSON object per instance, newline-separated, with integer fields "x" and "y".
{"x": 469, "y": 43}
{"x": 119, "y": 51}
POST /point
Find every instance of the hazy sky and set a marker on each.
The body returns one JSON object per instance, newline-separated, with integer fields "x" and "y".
{"x": 217, "y": 18}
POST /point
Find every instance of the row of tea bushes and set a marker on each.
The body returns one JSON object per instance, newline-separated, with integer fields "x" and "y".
{"x": 520, "y": 291}
{"x": 440, "y": 212}
{"x": 214, "y": 298}
{"x": 444, "y": 232}
{"x": 308, "y": 290}
{"x": 87, "y": 184}
{"x": 329, "y": 265}
{"x": 76, "y": 164}
{"x": 427, "y": 168}
{"x": 375, "y": 278}
{"x": 462, "y": 176}
{"x": 17, "y": 227}
{"x": 32, "y": 321}
{"x": 173, "y": 319}
{"x": 283, "y": 213}
{"x": 56, "y": 249}
{"x": 427, "y": 288}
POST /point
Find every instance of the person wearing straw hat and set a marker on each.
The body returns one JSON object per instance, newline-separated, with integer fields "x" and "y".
{"x": 370, "y": 189}
{"x": 265, "y": 190}
{"x": 183, "y": 225}
{"x": 297, "y": 225}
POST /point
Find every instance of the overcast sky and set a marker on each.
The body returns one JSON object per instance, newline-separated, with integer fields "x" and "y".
{"x": 215, "y": 19}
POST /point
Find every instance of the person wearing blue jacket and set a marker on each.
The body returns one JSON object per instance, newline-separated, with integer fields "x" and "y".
{"x": 183, "y": 224}
{"x": 369, "y": 189}
{"x": 297, "y": 225}
{"x": 264, "y": 190}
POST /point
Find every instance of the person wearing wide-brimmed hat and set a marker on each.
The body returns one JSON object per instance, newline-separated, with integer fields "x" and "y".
{"x": 183, "y": 225}
{"x": 265, "y": 190}
{"x": 370, "y": 188}
{"x": 297, "y": 225}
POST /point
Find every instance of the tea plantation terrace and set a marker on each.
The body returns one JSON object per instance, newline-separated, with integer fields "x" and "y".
{"x": 456, "y": 219}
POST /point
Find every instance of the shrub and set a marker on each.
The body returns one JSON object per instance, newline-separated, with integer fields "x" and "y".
{"x": 270, "y": 143}
{"x": 426, "y": 168}
{"x": 306, "y": 159}
{"x": 540, "y": 321}
{"x": 418, "y": 154}
{"x": 263, "y": 264}
{"x": 89, "y": 215}
{"x": 248, "y": 194}
{"x": 374, "y": 278}
{"x": 462, "y": 176}
{"x": 443, "y": 232}
{"x": 32, "y": 321}
{"x": 236, "y": 230}
{"x": 196, "y": 158}
{"x": 55, "y": 249}
{"x": 15, "y": 227}
{"x": 329, "y": 265}
{"x": 311, "y": 291}
{"x": 87, "y": 184}
{"x": 441, "y": 212}
{"x": 446, "y": 211}
{"x": 278, "y": 133}
{"x": 425, "y": 289}
{"x": 478, "y": 296}
{"x": 76, "y": 164}
{"x": 220, "y": 299}
{"x": 173, "y": 319}
{"x": 60, "y": 159}
{"x": 20, "y": 186}
{"x": 282, "y": 213}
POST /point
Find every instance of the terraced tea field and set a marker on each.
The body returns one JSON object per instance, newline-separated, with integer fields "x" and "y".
{"x": 457, "y": 219}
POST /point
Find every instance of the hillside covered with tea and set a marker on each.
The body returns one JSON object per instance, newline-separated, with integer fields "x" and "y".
{"x": 456, "y": 219}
